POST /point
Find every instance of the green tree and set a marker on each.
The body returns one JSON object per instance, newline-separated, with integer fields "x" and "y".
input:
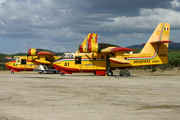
{"x": 174, "y": 58}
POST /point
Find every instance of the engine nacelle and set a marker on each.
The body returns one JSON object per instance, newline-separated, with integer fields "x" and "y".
{"x": 83, "y": 49}
{"x": 32, "y": 52}
{"x": 93, "y": 47}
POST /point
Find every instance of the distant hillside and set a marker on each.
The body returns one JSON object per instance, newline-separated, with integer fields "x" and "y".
{"x": 174, "y": 46}
{"x": 171, "y": 46}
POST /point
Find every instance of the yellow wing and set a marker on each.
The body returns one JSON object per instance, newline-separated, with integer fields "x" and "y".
{"x": 119, "y": 53}
{"x": 119, "y": 60}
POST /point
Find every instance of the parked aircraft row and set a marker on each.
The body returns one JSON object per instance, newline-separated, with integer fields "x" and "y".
{"x": 34, "y": 59}
{"x": 99, "y": 58}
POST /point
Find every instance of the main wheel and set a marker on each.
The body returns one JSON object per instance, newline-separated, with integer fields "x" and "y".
{"x": 12, "y": 72}
{"x": 109, "y": 73}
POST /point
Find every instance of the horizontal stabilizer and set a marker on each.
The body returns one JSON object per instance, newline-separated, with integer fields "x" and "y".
{"x": 143, "y": 43}
{"x": 158, "y": 42}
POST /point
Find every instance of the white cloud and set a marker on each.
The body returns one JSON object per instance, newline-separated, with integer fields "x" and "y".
{"x": 2, "y": 1}
{"x": 149, "y": 18}
{"x": 60, "y": 25}
{"x": 175, "y": 3}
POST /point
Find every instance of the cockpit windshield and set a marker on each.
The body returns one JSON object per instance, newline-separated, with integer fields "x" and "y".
{"x": 66, "y": 55}
{"x": 15, "y": 58}
{"x": 38, "y": 50}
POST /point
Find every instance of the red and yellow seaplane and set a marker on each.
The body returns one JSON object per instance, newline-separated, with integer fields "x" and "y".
{"x": 34, "y": 58}
{"x": 101, "y": 59}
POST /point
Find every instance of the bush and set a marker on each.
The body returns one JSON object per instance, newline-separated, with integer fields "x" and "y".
{"x": 153, "y": 69}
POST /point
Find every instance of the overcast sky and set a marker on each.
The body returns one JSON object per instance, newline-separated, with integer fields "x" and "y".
{"x": 60, "y": 25}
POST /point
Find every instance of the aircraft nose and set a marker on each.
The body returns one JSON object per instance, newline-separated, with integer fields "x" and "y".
{"x": 56, "y": 67}
{"x": 7, "y": 66}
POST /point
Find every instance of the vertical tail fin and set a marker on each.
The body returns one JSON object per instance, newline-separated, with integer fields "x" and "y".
{"x": 158, "y": 43}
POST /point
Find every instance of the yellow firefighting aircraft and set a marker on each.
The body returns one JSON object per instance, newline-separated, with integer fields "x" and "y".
{"x": 30, "y": 62}
{"x": 101, "y": 59}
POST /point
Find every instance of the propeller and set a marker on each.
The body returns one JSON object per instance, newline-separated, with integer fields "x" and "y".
{"x": 78, "y": 47}
{"x": 27, "y": 51}
{"x": 87, "y": 46}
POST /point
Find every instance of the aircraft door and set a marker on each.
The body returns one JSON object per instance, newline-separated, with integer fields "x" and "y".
{"x": 78, "y": 60}
{"x": 23, "y": 61}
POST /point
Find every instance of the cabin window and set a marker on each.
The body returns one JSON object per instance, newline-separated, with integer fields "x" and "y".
{"x": 77, "y": 60}
{"x": 23, "y": 61}
{"x": 102, "y": 57}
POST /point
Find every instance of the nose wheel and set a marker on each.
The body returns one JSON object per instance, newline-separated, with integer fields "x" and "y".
{"x": 62, "y": 74}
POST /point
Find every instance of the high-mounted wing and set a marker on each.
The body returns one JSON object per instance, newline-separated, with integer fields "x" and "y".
{"x": 45, "y": 53}
{"x": 108, "y": 49}
{"x": 43, "y": 56}
{"x": 115, "y": 49}
{"x": 119, "y": 52}
{"x": 158, "y": 42}
{"x": 34, "y": 52}
{"x": 42, "y": 61}
{"x": 119, "y": 60}
{"x": 90, "y": 44}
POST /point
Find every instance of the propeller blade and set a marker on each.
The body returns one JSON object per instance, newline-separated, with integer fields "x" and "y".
{"x": 27, "y": 51}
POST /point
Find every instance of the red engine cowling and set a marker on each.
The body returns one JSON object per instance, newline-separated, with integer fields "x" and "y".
{"x": 32, "y": 52}
{"x": 83, "y": 49}
{"x": 93, "y": 47}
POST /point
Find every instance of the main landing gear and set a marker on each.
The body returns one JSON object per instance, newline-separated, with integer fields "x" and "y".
{"x": 12, "y": 72}
{"x": 109, "y": 73}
